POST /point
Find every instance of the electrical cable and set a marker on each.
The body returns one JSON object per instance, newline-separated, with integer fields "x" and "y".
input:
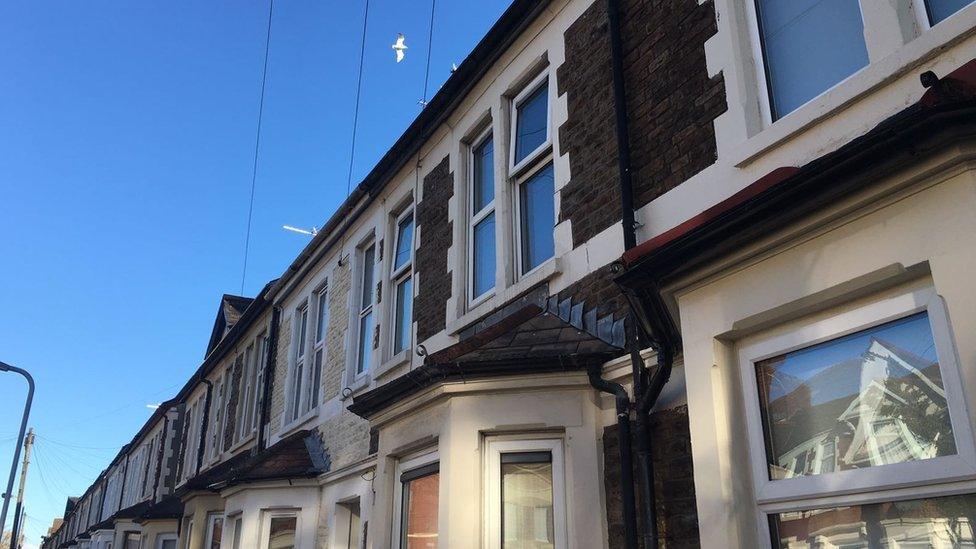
{"x": 430, "y": 40}
{"x": 359, "y": 91}
{"x": 257, "y": 142}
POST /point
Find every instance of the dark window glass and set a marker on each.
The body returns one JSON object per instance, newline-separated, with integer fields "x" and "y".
{"x": 365, "y": 342}
{"x": 532, "y": 121}
{"x": 871, "y": 398}
{"x": 483, "y": 191}
{"x": 809, "y": 45}
{"x": 939, "y": 10}
{"x": 368, "y": 261}
{"x": 484, "y": 255}
{"x": 538, "y": 218}
{"x": 933, "y": 522}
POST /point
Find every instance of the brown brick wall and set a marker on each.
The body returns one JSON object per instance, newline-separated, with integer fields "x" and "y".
{"x": 671, "y": 104}
{"x": 674, "y": 481}
{"x": 435, "y": 231}
{"x": 598, "y": 290}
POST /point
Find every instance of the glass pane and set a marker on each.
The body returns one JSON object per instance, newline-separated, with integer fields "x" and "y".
{"x": 404, "y": 315}
{"x": 810, "y": 45}
{"x": 368, "y": 261}
{"x": 323, "y": 310}
{"x": 527, "y": 511}
{"x": 282, "y": 534}
{"x": 297, "y": 395}
{"x": 316, "y": 381}
{"x": 483, "y": 171}
{"x": 216, "y": 533}
{"x": 419, "y": 530}
{"x": 302, "y": 329}
{"x": 871, "y": 398}
{"x": 532, "y": 120}
{"x": 935, "y": 522}
{"x": 939, "y": 10}
{"x": 538, "y": 218}
{"x": 484, "y": 255}
{"x": 365, "y": 342}
{"x": 404, "y": 241}
{"x": 132, "y": 541}
{"x": 171, "y": 544}
{"x": 238, "y": 531}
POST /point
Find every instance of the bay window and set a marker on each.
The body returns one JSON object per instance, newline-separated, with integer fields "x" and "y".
{"x": 416, "y": 500}
{"x": 857, "y": 427}
{"x": 525, "y": 494}
{"x": 481, "y": 216}
{"x": 367, "y": 298}
{"x": 402, "y": 279}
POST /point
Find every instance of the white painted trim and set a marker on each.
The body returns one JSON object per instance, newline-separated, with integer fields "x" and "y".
{"x": 492, "y": 488}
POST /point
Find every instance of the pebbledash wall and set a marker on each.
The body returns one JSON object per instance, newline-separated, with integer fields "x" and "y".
{"x": 352, "y": 413}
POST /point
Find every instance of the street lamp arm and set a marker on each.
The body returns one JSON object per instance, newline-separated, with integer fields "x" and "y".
{"x": 4, "y": 367}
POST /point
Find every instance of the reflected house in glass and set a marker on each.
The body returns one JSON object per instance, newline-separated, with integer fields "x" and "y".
{"x": 886, "y": 405}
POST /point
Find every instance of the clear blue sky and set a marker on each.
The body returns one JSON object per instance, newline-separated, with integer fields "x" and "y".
{"x": 126, "y": 140}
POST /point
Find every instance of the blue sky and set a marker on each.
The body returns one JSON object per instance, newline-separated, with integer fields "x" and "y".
{"x": 127, "y": 133}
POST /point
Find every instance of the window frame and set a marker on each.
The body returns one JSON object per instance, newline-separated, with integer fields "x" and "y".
{"x": 211, "y": 521}
{"x": 757, "y": 43}
{"x": 359, "y": 312}
{"x": 270, "y": 515}
{"x": 494, "y": 448}
{"x": 299, "y": 362}
{"x": 406, "y": 465}
{"x": 242, "y": 429}
{"x": 169, "y": 536}
{"x": 312, "y": 396}
{"x": 924, "y": 17}
{"x": 400, "y": 275}
{"x": 539, "y": 81}
{"x": 908, "y": 480}
{"x": 517, "y": 232}
{"x": 475, "y": 218}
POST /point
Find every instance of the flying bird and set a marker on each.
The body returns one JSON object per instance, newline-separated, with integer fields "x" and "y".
{"x": 399, "y": 47}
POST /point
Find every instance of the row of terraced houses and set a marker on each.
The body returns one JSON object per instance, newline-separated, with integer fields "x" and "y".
{"x": 643, "y": 273}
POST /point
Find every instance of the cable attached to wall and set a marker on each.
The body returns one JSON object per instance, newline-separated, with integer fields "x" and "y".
{"x": 257, "y": 142}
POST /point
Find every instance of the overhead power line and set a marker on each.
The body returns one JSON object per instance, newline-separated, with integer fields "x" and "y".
{"x": 257, "y": 142}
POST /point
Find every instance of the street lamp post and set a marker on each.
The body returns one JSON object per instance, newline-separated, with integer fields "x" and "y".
{"x": 4, "y": 367}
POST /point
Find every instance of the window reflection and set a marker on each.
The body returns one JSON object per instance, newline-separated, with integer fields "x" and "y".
{"x": 419, "y": 509}
{"x": 935, "y": 522}
{"x": 871, "y": 398}
{"x": 282, "y": 533}
{"x": 527, "y": 511}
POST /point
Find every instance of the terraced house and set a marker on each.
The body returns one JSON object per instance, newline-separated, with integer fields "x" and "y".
{"x": 642, "y": 273}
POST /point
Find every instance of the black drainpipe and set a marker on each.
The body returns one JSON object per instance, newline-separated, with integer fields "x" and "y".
{"x": 626, "y": 457}
{"x": 623, "y": 140}
{"x": 206, "y": 422}
{"x": 269, "y": 368}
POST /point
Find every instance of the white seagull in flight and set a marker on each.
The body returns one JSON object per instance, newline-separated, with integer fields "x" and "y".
{"x": 399, "y": 47}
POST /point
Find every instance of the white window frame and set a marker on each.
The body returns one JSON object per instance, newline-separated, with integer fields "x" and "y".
{"x": 359, "y": 312}
{"x": 312, "y": 395}
{"x": 399, "y": 276}
{"x": 270, "y": 514}
{"x": 474, "y": 218}
{"x": 494, "y": 449}
{"x": 909, "y": 480}
{"x": 405, "y": 465}
{"x": 218, "y": 408}
{"x": 242, "y": 414}
{"x": 261, "y": 360}
{"x": 920, "y": 7}
{"x": 299, "y": 363}
{"x": 166, "y": 537}
{"x": 762, "y": 77}
{"x": 237, "y": 534}
{"x": 540, "y": 80}
{"x": 517, "y": 198}
{"x": 211, "y": 520}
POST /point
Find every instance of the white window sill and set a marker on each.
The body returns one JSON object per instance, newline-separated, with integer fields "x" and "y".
{"x": 241, "y": 443}
{"x": 909, "y": 57}
{"x": 361, "y": 382}
{"x": 399, "y": 359}
{"x": 544, "y": 272}
{"x": 298, "y": 422}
